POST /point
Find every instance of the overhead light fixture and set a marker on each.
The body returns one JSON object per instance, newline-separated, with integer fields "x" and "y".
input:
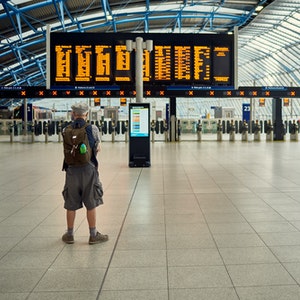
{"x": 259, "y": 8}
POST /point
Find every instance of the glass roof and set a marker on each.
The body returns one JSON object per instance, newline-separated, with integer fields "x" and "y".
{"x": 268, "y": 40}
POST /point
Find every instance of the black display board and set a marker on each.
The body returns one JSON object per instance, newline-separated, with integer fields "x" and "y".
{"x": 79, "y": 60}
{"x": 139, "y": 135}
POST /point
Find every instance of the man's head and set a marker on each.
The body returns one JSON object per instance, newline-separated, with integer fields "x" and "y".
{"x": 80, "y": 110}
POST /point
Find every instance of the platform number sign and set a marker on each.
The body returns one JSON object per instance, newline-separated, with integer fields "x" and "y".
{"x": 246, "y": 112}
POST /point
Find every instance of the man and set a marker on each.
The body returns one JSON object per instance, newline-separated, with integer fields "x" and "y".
{"x": 82, "y": 185}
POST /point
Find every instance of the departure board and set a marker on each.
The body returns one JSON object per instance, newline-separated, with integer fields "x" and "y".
{"x": 162, "y": 62}
{"x": 182, "y": 62}
{"x": 146, "y": 66}
{"x": 63, "y": 63}
{"x": 93, "y": 60}
{"x": 103, "y": 55}
{"x": 84, "y": 56}
{"x": 221, "y": 57}
{"x": 202, "y": 64}
{"x": 123, "y": 72}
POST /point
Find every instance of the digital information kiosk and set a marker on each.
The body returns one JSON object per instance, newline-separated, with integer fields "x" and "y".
{"x": 139, "y": 135}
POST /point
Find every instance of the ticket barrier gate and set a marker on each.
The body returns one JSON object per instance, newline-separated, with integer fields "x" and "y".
{"x": 32, "y": 129}
{"x": 269, "y": 130}
{"x": 59, "y": 131}
{"x": 125, "y": 130}
{"x": 219, "y": 131}
{"x": 294, "y": 131}
{"x": 171, "y": 131}
{"x": 112, "y": 129}
{"x": 153, "y": 130}
{"x": 103, "y": 127}
{"x": 199, "y": 131}
{"x": 179, "y": 130}
{"x": 117, "y": 127}
{"x": 38, "y": 128}
{"x": 231, "y": 128}
{"x": 244, "y": 131}
{"x": 5, "y": 127}
{"x": 280, "y": 132}
{"x": 11, "y": 130}
{"x": 164, "y": 129}
{"x": 48, "y": 129}
{"x": 257, "y": 131}
{"x": 159, "y": 127}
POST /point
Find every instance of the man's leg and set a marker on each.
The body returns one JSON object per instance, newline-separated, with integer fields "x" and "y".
{"x": 91, "y": 217}
{"x": 68, "y": 237}
{"x": 95, "y": 236}
{"x": 71, "y": 218}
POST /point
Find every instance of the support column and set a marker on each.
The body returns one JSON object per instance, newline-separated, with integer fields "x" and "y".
{"x": 139, "y": 69}
{"x": 139, "y": 45}
{"x": 173, "y": 120}
{"x": 25, "y": 114}
{"x": 277, "y": 119}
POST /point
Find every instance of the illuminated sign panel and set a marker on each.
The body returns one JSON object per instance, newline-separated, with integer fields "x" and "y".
{"x": 202, "y": 63}
{"x": 83, "y": 56}
{"x": 146, "y": 66}
{"x": 81, "y": 60}
{"x": 162, "y": 62}
{"x": 103, "y": 55}
{"x": 154, "y": 91}
{"x": 139, "y": 125}
{"x": 63, "y": 63}
{"x": 221, "y": 58}
{"x": 182, "y": 63}
{"x": 123, "y": 64}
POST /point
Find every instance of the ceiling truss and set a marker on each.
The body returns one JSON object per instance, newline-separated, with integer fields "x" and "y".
{"x": 269, "y": 50}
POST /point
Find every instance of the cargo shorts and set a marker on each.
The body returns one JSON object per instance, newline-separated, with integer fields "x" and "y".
{"x": 82, "y": 187}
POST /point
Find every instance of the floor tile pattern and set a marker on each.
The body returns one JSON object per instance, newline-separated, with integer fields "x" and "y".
{"x": 208, "y": 220}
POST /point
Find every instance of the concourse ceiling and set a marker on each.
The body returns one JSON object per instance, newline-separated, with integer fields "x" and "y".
{"x": 268, "y": 32}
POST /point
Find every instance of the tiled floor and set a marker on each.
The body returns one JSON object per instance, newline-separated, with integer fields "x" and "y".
{"x": 208, "y": 220}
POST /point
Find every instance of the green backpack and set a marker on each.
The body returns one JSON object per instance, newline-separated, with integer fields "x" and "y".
{"x": 77, "y": 150}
